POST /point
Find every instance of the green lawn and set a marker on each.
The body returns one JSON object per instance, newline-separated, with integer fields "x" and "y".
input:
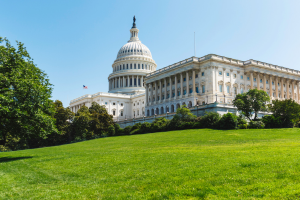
{"x": 189, "y": 164}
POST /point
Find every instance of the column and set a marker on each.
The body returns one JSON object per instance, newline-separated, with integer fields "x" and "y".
{"x": 293, "y": 92}
{"x": 155, "y": 92}
{"x": 187, "y": 83}
{"x": 119, "y": 82}
{"x": 282, "y": 89}
{"x": 212, "y": 78}
{"x": 124, "y": 84}
{"x": 117, "y": 111}
{"x": 251, "y": 80}
{"x": 160, "y": 91}
{"x": 271, "y": 88}
{"x": 258, "y": 81}
{"x": 181, "y": 85}
{"x": 151, "y": 92}
{"x": 276, "y": 87}
{"x": 175, "y": 86}
{"x": 297, "y": 99}
{"x": 170, "y": 79}
{"x": 142, "y": 81}
{"x": 265, "y": 84}
{"x": 165, "y": 82}
{"x": 216, "y": 71}
{"x": 231, "y": 83}
{"x": 146, "y": 102}
{"x": 193, "y": 79}
{"x": 224, "y": 81}
{"x": 287, "y": 89}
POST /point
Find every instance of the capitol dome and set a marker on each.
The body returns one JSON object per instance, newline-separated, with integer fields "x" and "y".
{"x": 134, "y": 61}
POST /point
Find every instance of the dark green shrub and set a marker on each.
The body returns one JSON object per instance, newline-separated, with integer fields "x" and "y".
{"x": 117, "y": 129}
{"x": 243, "y": 126}
{"x": 111, "y": 130}
{"x": 241, "y": 120}
{"x": 145, "y": 127}
{"x": 136, "y": 126}
{"x": 271, "y": 121}
{"x": 210, "y": 120}
{"x": 127, "y": 130}
{"x": 256, "y": 124}
{"x": 135, "y": 131}
{"x": 228, "y": 121}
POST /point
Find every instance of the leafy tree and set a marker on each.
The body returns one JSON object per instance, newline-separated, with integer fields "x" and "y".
{"x": 81, "y": 124}
{"x": 26, "y": 110}
{"x": 228, "y": 121}
{"x": 100, "y": 119}
{"x": 210, "y": 120}
{"x": 251, "y": 103}
{"x": 288, "y": 111}
{"x": 184, "y": 114}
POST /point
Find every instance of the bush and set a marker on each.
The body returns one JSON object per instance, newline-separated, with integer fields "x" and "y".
{"x": 160, "y": 124}
{"x": 210, "y": 120}
{"x": 111, "y": 130}
{"x": 135, "y": 131}
{"x": 243, "y": 126}
{"x": 117, "y": 128}
{"x": 271, "y": 121}
{"x": 256, "y": 124}
{"x": 145, "y": 127}
{"x": 228, "y": 121}
{"x": 241, "y": 120}
{"x": 127, "y": 130}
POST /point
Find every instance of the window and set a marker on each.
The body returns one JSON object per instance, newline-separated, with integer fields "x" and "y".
{"x": 283, "y": 85}
{"x": 267, "y": 82}
{"x": 203, "y": 88}
{"x": 173, "y": 82}
{"x": 227, "y": 74}
{"x": 178, "y": 81}
{"x": 173, "y": 94}
{"x": 121, "y": 104}
{"x": 196, "y": 76}
{"x": 163, "y": 85}
{"x": 242, "y": 77}
{"x": 114, "y": 112}
{"x": 178, "y": 93}
{"x": 184, "y": 79}
{"x": 138, "y": 103}
{"x": 142, "y": 66}
{"x": 260, "y": 80}
{"x": 202, "y": 74}
{"x": 197, "y": 89}
{"x": 234, "y": 75}
{"x": 220, "y": 88}
{"x": 121, "y": 112}
{"x": 220, "y": 72}
{"x": 228, "y": 88}
{"x": 114, "y": 103}
{"x": 278, "y": 84}
{"x": 168, "y": 95}
{"x": 143, "y": 102}
{"x": 254, "y": 79}
{"x": 273, "y": 94}
{"x": 127, "y": 66}
{"x": 168, "y": 84}
{"x": 242, "y": 90}
{"x": 235, "y": 90}
{"x": 134, "y": 65}
{"x": 191, "y": 90}
{"x": 184, "y": 92}
{"x": 248, "y": 78}
{"x": 105, "y": 103}
{"x": 134, "y": 104}
{"x": 131, "y": 65}
{"x": 138, "y": 66}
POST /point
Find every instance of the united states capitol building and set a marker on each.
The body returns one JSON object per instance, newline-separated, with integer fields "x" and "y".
{"x": 209, "y": 83}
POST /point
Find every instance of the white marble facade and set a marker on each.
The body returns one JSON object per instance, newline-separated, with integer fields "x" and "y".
{"x": 137, "y": 89}
{"x": 213, "y": 78}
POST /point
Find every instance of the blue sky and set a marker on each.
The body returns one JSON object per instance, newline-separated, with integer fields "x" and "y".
{"x": 75, "y": 42}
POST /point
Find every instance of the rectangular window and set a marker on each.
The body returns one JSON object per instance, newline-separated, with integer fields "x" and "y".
{"x": 130, "y": 66}
{"x": 178, "y": 93}
{"x": 242, "y": 77}
{"x": 139, "y": 81}
{"x": 197, "y": 90}
{"x": 105, "y": 103}
{"x": 227, "y": 74}
{"x": 114, "y": 112}
{"x": 242, "y": 90}
{"x": 220, "y": 88}
{"x": 138, "y": 66}
{"x": 178, "y": 81}
{"x": 228, "y": 88}
{"x": 248, "y": 78}
{"x": 254, "y": 79}
{"x": 127, "y": 66}
{"x": 184, "y": 92}
{"x": 203, "y": 88}
{"x": 260, "y": 80}
{"x": 184, "y": 79}
{"x": 267, "y": 82}
{"x": 135, "y": 81}
{"x": 173, "y": 94}
{"x": 196, "y": 76}
{"x": 168, "y": 95}
{"x": 191, "y": 90}
{"x": 202, "y": 73}
{"x": 234, "y": 75}
{"x": 235, "y": 90}
{"x": 220, "y": 72}
{"x": 173, "y": 82}
{"x": 168, "y": 84}
{"x": 121, "y": 113}
{"x": 134, "y": 66}
{"x": 142, "y": 66}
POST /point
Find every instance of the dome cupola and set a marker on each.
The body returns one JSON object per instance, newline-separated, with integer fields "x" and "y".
{"x": 134, "y": 61}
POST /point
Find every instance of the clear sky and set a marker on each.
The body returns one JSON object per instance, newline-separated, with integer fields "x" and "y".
{"x": 75, "y": 42}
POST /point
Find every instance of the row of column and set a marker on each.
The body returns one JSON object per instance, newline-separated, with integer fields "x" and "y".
{"x": 133, "y": 66}
{"x": 124, "y": 81}
{"x": 74, "y": 109}
{"x": 277, "y": 80}
{"x": 164, "y": 81}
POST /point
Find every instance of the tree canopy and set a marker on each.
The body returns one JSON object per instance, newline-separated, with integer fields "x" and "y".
{"x": 251, "y": 103}
{"x": 25, "y": 106}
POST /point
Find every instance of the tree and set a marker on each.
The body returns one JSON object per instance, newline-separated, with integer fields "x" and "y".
{"x": 288, "y": 111}
{"x": 228, "y": 121}
{"x": 26, "y": 110}
{"x": 184, "y": 114}
{"x": 81, "y": 124}
{"x": 100, "y": 119}
{"x": 251, "y": 102}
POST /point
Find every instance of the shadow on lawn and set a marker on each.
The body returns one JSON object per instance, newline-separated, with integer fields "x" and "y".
{"x": 9, "y": 159}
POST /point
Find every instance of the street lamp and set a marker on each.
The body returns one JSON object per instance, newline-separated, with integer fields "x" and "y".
{"x": 167, "y": 114}
{"x": 224, "y": 99}
{"x": 197, "y": 109}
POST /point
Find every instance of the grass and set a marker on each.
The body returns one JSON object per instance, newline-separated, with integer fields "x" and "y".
{"x": 188, "y": 164}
